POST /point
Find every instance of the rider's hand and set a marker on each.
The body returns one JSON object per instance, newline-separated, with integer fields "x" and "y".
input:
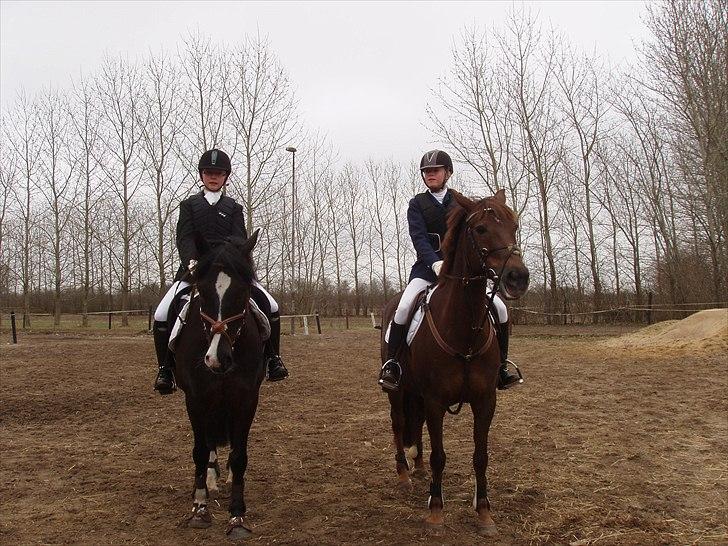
{"x": 191, "y": 266}
{"x": 436, "y": 267}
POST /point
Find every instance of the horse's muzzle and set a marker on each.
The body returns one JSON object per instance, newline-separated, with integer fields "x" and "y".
{"x": 514, "y": 282}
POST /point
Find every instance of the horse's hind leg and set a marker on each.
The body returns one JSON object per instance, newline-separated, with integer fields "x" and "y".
{"x": 398, "y": 422}
{"x": 482, "y": 417}
{"x": 435, "y": 415}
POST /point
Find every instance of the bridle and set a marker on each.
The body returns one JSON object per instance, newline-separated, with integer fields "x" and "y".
{"x": 221, "y": 326}
{"x": 483, "y": 253}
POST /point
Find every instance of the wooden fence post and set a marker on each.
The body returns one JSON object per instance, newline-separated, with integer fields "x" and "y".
{"x": 109, "y": 321}
{"x": 318, "y": 322}
{"x": 649, "y": 308}
{"x": 12, "y": 326}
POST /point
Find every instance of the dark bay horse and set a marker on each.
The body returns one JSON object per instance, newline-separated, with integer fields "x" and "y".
{"x": 220, "y": 368}
{"x": 454, "y": 357}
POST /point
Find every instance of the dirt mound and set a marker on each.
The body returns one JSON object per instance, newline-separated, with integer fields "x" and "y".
{"x": 706, "y": 330}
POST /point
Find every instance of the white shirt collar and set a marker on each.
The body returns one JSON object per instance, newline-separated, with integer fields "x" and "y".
{"x": 440, "y": 195}
{"x": 212, "y": 197}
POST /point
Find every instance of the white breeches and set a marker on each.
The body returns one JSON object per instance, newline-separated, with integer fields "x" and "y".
{"x": 273, "y": 303}
{"x": 416, "y": 285}
{"x": 163, "y": 308}
{"x": 160, "y": 314}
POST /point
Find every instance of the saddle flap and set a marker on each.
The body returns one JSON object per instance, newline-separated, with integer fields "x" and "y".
{"x": 260, "y": 320}
{"x": 416, "y": 314}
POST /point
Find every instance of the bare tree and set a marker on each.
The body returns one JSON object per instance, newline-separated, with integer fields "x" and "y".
{"x": 350, "y": 185}
{"x": 262, "y": 109}
{"x": 84, "y": 116}
{"x": 686, "y": 60}
{"x": 165, "y": 117}
{"x": 578, "y": 79}
{"x": 22, "y": 135}
{"x": 531, "y": 68}
{"x": 119, "y": 88}
{"x": 204, "y": 67}
{"x": 56, "y": 168}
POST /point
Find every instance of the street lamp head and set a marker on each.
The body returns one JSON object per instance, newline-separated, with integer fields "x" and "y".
{"x": 291, "y": 149}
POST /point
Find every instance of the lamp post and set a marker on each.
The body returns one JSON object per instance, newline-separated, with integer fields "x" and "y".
{"x": 293, "y": 229}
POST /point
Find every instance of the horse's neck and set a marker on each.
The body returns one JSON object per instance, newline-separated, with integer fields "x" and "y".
{"x": 463, "y": 302}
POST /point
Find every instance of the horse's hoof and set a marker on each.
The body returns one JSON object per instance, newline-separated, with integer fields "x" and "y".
{"x": 487, "y": 530}
{"x": 236, "y": 529}
{"x": 200, "y": 518}
{"x": 404, "y": 485}
{"x": 213, "y": 492}
{"x": 435, "y": 521}
{"x": 197, "y": 522}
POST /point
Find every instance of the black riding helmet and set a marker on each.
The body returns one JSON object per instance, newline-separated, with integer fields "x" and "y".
{"x": 214, "y": 159}
{"x": 436, "y": 158}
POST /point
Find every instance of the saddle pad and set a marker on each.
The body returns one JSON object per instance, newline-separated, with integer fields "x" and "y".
{"x": 259, "y": 316}
{"x": 180, "y": 321}
{"x": 418, "y": 318}
{"x": 261, "y": 319}
{"x": 416, "y": 321}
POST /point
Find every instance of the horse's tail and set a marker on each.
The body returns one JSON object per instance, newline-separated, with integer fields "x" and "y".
{"x": 414, "y": 419}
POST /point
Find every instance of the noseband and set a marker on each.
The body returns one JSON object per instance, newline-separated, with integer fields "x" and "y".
{"x": 221, "y": 326}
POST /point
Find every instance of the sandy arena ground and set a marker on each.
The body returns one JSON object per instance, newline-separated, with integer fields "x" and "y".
{"x": 602, "y": 445}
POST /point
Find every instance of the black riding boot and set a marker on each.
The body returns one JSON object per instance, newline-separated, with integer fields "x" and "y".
{"x": 391, "y": 373}
{"x": 506, "y": 379}
{"x": 165, "y": 382}
{"x": 274, "y": 364}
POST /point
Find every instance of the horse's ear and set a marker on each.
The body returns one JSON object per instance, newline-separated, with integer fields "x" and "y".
{"x": 460, "y": 199}
{"x": 250, "y": 242}
{"x": 500, "y": 196}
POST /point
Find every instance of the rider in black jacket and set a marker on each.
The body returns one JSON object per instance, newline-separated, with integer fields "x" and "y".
{"x": 213, "y": 217}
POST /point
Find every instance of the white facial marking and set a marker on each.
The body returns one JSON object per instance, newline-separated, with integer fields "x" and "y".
{"x": 221, "y": 285}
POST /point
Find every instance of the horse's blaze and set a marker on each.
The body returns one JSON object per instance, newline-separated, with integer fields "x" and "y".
{"x": 221, "y": 285}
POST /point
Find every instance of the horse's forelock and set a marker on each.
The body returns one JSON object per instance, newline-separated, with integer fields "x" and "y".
{"x": 493, "y": 203}
{"x": 228, "y": 258}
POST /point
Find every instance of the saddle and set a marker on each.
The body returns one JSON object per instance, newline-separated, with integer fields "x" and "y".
{"x": 417, "y": 315}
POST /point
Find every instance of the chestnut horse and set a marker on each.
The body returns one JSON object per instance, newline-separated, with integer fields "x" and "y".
{"x": 454, "y": 357}
{"x": 220, "y": 369}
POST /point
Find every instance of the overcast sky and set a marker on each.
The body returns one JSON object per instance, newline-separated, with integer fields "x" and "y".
{"x": 362, "y": 70}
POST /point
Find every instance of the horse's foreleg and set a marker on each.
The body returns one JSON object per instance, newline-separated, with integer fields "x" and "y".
{"x": 200, "y": 517}
{"x": 482, "y": 417}
{"x": 213, "y": 473}
{"x": 396, "y": 413}
{"x": 238, "y": 462}
{"x": 435, "y": 415}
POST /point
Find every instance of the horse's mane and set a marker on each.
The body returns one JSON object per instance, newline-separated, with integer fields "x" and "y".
{"x": 231, "y": 257}
{"x": 456, "y": 221}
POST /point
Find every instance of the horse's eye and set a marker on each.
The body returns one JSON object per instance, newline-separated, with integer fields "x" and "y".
{"x": 480, "y": 230}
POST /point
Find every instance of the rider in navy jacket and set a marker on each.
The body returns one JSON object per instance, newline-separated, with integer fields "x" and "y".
{"x": 426, "y": 216}
{"x": 426, "y": 244}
